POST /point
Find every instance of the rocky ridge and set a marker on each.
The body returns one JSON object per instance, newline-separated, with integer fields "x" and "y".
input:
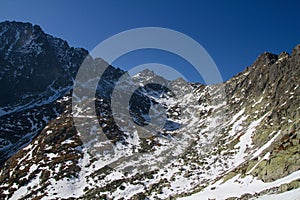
{"x": 242, "y": 133}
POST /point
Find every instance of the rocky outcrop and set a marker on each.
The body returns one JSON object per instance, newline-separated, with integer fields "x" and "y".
{"x": 253, "y": 134}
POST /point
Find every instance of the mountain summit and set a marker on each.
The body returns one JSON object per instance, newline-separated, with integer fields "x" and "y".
{"x": 36, "y": 70}
{"x": 234, "y": 140}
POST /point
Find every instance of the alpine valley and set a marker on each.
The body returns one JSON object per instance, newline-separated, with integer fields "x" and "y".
{"x": 234, "y": 140}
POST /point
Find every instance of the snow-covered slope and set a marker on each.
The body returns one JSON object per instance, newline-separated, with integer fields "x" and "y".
{"x": 236, "y": 140}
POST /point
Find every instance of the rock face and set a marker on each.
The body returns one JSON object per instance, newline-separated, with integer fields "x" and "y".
{"x": 29, "y": 56}
{"x": 244, "y": 132}
{"x": 36, "y": 70}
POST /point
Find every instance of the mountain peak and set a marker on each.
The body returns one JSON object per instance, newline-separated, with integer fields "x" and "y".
{"x": 15, "y": 26}
{"x": 178, "y": 139}
{"x": 296, "y": 51}
{"x": 145, "y": 73}
{"x": 15, "y": 23}
{"x": 283, "y": 55}
{"x": 266, "y": 58}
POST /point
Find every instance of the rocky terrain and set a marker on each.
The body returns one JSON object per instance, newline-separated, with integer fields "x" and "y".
{"x": 234, "y": 140}
{"x": 36, "y": 70}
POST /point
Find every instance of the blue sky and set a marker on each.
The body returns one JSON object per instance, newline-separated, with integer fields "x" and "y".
{"x": 233, "y": 32}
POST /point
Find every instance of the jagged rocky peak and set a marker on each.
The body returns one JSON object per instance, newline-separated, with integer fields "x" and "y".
{"x": 283, "y": 55}
{"x": 17, "y": 36}
{"x": 21, "y": 38}
{"x": 266, "y": 74}
{"x": 266, "y": 58}
{"x": 249, "y": 144}
{"x": 32, "y": 61}
{"x": 146, "y": 72}
{"x": 296, "y": 50}
{"x": 36, "y": 69}
{"x": 21, "y": 29}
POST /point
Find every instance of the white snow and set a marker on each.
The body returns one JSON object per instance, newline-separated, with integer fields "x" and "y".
{"x": 289, "y": 195}
{"x": 29, "y": 147}
{"x": 265, "y": 146}
{"x": 52, "y": 155}
{"x": 238, "y": 186}
{"x": 237, "y": 126}
{"x": 266, "y": 157}
{"x": 258, "y": 102}
{"x": 183, "y": 175}
{"x": 236, "y": 116}
{"x": 22, "y": 191}
{"x": 246, "y": 142}
{"x": 68, "y": 141}
{"x": 33, "y": 168}
{"x": 128, "y": 192}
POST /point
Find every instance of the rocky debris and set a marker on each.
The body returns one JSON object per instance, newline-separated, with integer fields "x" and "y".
{"x": 255, "y": 133}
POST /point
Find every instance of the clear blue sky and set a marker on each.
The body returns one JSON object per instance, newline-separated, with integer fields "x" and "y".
{"x": 233, "y": 32}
